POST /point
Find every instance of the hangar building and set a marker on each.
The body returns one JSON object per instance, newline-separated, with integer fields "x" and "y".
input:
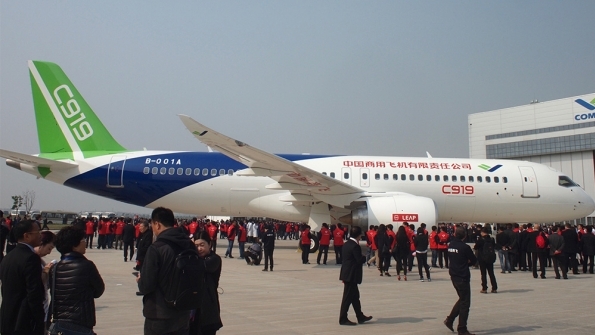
{"x": 558, "y": 133}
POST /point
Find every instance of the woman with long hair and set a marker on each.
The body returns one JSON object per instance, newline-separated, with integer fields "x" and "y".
{"x": 402, "y": 252}
{"x": 383, "y": 242}
{"x": 207, "y": 319}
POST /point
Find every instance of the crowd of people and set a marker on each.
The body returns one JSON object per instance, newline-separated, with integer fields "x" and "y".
{"x": 160, "y": 244}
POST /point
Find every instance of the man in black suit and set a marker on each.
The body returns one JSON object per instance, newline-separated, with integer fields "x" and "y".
{"x": 351, "y": 275}
{"x": 571, "y": 248}
{"x": 22, "y": 289}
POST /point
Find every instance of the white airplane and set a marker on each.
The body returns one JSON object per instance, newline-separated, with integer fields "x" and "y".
{"x": 240, "y": 180}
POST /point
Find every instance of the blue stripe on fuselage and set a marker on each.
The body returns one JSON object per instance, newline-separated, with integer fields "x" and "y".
{"x": 142, "y": 189}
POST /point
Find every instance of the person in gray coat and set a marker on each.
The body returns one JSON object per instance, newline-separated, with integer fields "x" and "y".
{"x": 556, "y": 243}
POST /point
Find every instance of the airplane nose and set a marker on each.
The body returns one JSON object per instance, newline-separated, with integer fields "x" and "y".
{"x": 587, "y": 204}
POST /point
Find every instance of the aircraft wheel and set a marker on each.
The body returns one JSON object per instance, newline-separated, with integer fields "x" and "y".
{"x": 314, "y": 244}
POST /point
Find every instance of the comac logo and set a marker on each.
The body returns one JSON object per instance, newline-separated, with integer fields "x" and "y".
{"x": 590, "y": 106}
{"x": 488, "y": 168}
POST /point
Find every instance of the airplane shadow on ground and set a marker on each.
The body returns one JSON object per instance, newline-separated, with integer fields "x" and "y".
{"x": 401, "y": 320}
{"x": 508, "y": 330}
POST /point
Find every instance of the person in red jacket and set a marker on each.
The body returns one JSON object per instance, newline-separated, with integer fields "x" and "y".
{"x": 305, "y": 243}
{"x": 242, "y": 238}
{"x": 231, "y": 236}
{"x": 324, "y": 238}
{"x": 212, "y": 230}
{"x": 192, "y": 227}
{"x": 89, "y": 230}
{"x": 119, "y": 230}
{"x": 434, "y": 246}
{"x": 442, "y": 239}
{"x": 102, "y": 231}
{"x": 338, "y": 243}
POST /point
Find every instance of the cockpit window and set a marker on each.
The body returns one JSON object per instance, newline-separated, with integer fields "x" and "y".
{"x": 564, "y": 181}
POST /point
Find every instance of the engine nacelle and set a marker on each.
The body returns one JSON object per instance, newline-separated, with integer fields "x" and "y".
{"x": 394, "y": 209}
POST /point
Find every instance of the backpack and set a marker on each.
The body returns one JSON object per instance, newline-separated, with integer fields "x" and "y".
{"x": 184, "y": 289}
{"x": 488, "y": 255}
{"x": 540, "y": 241}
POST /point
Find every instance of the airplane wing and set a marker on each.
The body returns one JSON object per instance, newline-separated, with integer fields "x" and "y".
{"x": 36, "y": 161}
{"x": 288, "y": 175}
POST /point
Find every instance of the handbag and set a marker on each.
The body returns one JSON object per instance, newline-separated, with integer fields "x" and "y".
{"x": 64, "y": 327}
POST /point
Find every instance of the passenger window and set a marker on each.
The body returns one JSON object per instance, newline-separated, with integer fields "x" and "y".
{"x": 346, "y": 175}
{"x": 188, "y": 171}
{"x": 171, "y": 171}
{"x": 332, "y": 175}
{"x": 471, "y": 179}
{"x": 213, "y": 172}
{"x": 505, "y": 180}
{"x": 403, "y": 177}
{"x": 411, "y": 177}
{"x": 479, "y": 179}
{"x": 454, "y": 178}
{"x": 395, "y": 176}
{"x": 230, "y": 172}
{"x": 221, "y": 172}
{"x": 205, "y": 172}
{"x": 154, "y": 170}
{"x": 496, "y": 179}
{"x": 488, "y": 179}
{"x": 445, "y": 178}
{"x": 196, "y": 171}
{"x": 180, "y": 171}
{"x": 377, "y": 176}
{"x": 364, "y": 176}
{"x": 437, "y": 178}
{"x": 462, "y": 178}
{"x": 146, "y": 170}
{"x": 162, "y": 170}
{"x": 420, "y": 177}
{"x": 386, "y": 176}
{"x": 429, "y": 178}
{"x": 324, "y": 173}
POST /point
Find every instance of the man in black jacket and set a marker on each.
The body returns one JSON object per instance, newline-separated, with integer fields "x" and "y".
{"x": 128, "y": 239}
{"x": 145, "y": 240}
{"x": 22, "y": 289}
{"x": 571, "y": 247}
{"x": 486, "y": 251}
{"x": 588, "y": 246}
{"x": 461, "y": 258}
{"x": 351, "y": 275}
{"x": 156, "y": 274}
{"x": 268, "y": 242}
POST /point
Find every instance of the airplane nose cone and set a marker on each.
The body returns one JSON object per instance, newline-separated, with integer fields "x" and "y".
{"x": 587, "y": 204}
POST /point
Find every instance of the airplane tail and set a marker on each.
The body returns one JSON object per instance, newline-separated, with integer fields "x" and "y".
{"x": 66, "y": 126}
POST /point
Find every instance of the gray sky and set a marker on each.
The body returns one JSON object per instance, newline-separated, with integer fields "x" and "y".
{"x": 393, "y": 78}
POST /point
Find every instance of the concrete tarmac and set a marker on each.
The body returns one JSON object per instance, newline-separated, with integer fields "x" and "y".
{"x": 305, "y": 299}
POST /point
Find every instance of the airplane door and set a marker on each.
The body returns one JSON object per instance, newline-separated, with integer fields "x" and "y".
{"x": 115, "y": 172}
{"x": 346, "y": 175}
{"x": 529, "y": 182}
{"x": 364, "y": 177}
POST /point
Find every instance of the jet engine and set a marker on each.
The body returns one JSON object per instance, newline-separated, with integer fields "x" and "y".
{"x": 394, "y": 209}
